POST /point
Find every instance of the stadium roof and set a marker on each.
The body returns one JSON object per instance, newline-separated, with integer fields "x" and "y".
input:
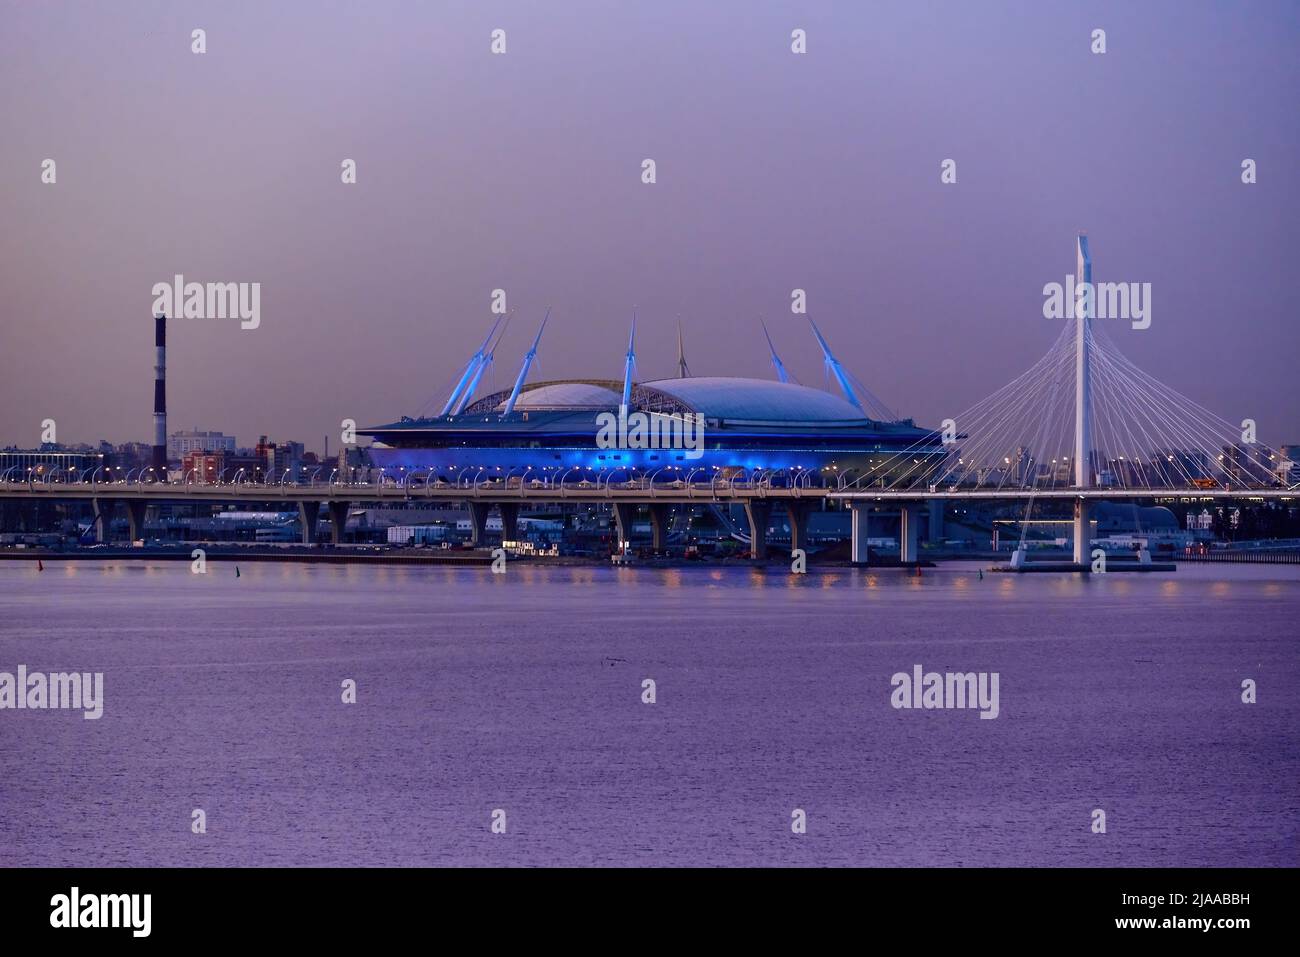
{"x": 566, "y": 395}
{"x": 716, "y": 397}
{"x": 724, "y": 397}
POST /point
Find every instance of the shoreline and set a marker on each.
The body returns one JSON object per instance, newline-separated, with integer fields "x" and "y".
{"x": 466, "y": 557}
{"x": 377, "y": 555}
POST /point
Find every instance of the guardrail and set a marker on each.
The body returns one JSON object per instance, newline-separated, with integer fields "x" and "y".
{"x": 1245, "y": 556}
{"x": 760, "y": 483}
{"x": 561, "y": 487}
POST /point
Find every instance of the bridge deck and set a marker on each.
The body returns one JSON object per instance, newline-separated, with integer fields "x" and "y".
{"x": 624, "y": 492}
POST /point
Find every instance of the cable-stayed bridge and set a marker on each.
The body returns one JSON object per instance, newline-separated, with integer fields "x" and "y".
{"x": 1082, "y": 423}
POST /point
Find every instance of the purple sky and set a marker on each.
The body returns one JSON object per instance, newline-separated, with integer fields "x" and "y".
{"x": 522, "y": 171}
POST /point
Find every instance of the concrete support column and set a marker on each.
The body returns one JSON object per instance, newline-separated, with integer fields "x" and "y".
{"x": 338, "y": 520}
{"x": 308, "y": 516}
{"x": 624, "y": 514}
{"x": 659, "y": 516}
{"x": 135, "y": 511}
{"x": 797, "y": 514}
{"x": 908, "y": 526}
{"x": 509, "y": 521}
{"x": 861, "y": 532}
{"x": 934, "y": 527}
{"x": 759, "y": 513}
{"x": 478, "y": 516}
{"x": 104, "y": 510}
{"x": 1082, "y": 532}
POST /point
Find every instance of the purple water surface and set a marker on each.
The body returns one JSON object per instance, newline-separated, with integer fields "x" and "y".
{"x": 523, "y": 692}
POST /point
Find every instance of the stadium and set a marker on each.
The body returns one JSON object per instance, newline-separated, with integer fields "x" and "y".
{"x": 550, "y": 431}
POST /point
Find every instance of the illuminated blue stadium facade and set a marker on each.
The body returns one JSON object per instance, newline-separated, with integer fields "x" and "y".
{"x": 549, "y": 430}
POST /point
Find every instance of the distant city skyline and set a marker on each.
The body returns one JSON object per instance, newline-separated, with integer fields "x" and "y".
{"x": 774, "y": 171}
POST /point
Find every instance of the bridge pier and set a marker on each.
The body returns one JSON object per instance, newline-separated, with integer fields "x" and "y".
{"x": 759, "y": 513}
{"x": 797, "y": 514}
{"x": 135, "y": 513}
{"x": 509, "y": 521}
{"x": 1082, "y": 532}
{"x": 909, "y": 521}
{"x": 659, "y": 516}
{"x": 624, "y": 514}
{"x": 338, "y": 520}
{"x": 104, "y": 511}
{"x": 478, "y": 516}
{"x": 308, "y": 516}
{"x": 934, "y": 527}
{"x": 861, "y": 513}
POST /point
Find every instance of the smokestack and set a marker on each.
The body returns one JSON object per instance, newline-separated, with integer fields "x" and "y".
{"x": 160, "y": 396}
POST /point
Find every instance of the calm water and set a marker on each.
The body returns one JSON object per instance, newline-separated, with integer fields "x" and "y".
{"x": 523, "y": 692}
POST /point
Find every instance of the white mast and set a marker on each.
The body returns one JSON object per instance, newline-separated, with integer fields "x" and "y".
{"x": 484, "y": 362}
{"x": 630, "y": 364}
{"x": 470, "y": 368}
{"x": 523, "y": 371}
{"x": 1084, "y": 312}
{"x": 776, "y": 359}
{"x": 836, "y": 369}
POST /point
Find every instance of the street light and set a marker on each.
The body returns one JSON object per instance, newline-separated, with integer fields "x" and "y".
{"x": 430, "y": 480}
{"x": 510, "y": 474}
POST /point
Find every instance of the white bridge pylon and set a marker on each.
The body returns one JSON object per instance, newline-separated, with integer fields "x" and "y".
{"x": 1084, "y": 314}
{"x": 1085, "y": 311}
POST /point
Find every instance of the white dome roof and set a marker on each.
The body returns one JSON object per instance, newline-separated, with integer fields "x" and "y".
{"x": 758, "y": 400}
{"x": 566, "y": 395}
{"x": 716, "y": 397}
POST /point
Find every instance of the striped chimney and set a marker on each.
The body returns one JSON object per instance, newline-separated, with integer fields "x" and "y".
{"x": 159, "y": 461}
